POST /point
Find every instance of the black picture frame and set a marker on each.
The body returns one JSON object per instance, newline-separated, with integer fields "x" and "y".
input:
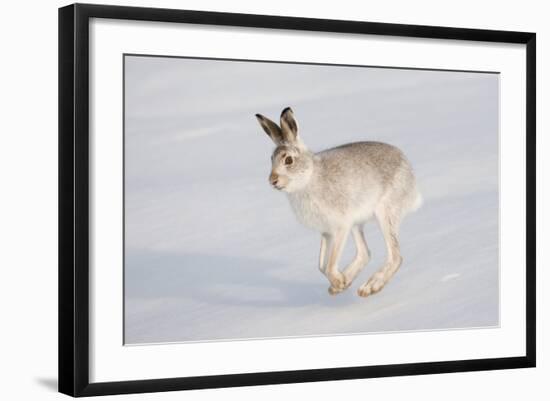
{"x": 74, "y": 198}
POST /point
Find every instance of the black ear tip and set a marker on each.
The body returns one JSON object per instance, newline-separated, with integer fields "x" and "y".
{"x": 286, "y": 110}
{"x": 259, "y": 116}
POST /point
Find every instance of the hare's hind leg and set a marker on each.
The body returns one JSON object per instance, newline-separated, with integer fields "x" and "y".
{"x": 389, "y": 223}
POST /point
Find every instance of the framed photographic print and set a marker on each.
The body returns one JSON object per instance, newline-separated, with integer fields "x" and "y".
{"x": 250, "y": 199}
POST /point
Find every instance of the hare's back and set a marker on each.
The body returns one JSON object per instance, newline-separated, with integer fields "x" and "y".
{"x": 378, "y": 158}
{"x": 361, "y": 174}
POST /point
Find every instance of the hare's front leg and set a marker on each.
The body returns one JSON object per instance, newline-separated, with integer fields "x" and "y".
{"x": 325, "y": 238}
{"x": 389, "y": 223}
{"x": 361, "y": 258}
{"x": 337, "y": 279}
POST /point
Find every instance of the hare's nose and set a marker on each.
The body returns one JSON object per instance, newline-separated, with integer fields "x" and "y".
{"x": 273, "y": 178}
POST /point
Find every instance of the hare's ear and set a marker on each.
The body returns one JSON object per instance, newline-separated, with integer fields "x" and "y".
{"x": 271, "y": 129}
{"x": 289, "y": 126}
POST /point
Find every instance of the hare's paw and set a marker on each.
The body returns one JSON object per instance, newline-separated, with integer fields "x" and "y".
{"x": 338, "y": 282}
{"x": 335, "y": 291}
{"x": 373, "y": 285}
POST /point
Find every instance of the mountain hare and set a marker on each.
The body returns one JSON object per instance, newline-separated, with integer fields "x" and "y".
{"x": 337, "y": 190}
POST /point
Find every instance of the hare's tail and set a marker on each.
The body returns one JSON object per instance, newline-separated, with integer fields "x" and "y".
{"x": 418, "y": 201}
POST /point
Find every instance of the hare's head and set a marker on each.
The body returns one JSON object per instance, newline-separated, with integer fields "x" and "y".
{"x": 291, "y": 162}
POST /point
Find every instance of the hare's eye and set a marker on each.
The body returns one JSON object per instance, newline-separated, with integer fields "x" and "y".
{"x": 288, "y": 160}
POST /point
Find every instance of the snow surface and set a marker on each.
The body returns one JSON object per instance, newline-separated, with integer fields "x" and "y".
{"x": 212, "y": 252}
